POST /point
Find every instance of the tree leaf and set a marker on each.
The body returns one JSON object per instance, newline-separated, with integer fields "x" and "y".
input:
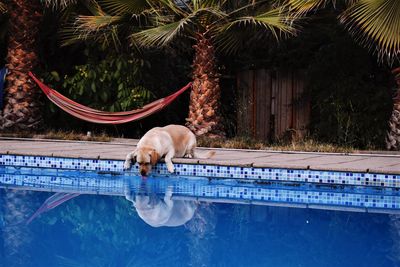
{"x": 55, "y": 75}
{"x": 93, "y": 87}
{"x": 104, "y": 96}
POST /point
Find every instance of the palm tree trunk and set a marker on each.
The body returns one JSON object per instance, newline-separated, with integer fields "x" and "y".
{"x": 22, "y": 110}
{"x": 393, "y": 135}
{"x": 204, "y": 118}
{"x": 17, "y": 236}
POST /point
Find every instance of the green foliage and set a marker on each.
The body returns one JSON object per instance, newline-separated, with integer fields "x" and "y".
{"x": 350, "y": 93}
{"x": 375, "y": 24}
{"x": 158, "y": 23}
{"x": 228, "y": 24}
{"x": 351, "y": 96}
{"x": 112, "y": 84}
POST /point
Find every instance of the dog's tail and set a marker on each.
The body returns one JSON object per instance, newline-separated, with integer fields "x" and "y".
{"x": 206, "y": 155}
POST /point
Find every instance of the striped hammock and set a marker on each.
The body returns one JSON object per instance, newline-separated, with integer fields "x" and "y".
{"x": 50, "y": 203}
{"x": 103, "y": 117}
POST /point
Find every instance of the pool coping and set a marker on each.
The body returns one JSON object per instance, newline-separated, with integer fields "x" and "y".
{"x": 343, "y": 162}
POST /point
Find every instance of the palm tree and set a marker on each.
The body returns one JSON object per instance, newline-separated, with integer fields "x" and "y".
{"x": 22, "y": 108}
{"x": 210, "y": 24}
{"x": 375, "y": 24}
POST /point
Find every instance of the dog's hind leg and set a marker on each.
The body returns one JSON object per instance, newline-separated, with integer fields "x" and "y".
{"x": 189, "y": 153}
{"x": 191, "y": 148}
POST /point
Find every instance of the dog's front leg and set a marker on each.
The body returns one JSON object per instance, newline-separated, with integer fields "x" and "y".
{"x": 167, "y": 197}
{"x": 168, "y": 160}
{"x": 128, "y": 160}
{"x": 128, "y": 195}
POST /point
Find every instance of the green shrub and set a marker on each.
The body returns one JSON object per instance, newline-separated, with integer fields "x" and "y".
{"x": 112, "y": 84}
{"x": 351, "y": 96}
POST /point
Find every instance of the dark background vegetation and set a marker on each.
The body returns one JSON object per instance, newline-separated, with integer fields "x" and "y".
{"x": 351, "y": 93}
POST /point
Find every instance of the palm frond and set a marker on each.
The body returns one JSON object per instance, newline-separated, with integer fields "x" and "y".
{"x": 211, "y": 3}
{"x": 87, "y": 27}
{"x": 376, "y": 25}
{"x": 59, "y": 3}
{"x": 231, "y": 41}
{"x": 277, "y": 21}
{"x": 102, "y": 28}
{"x": 305, "y": 6}
{"x": 184, "y": 4}
{"x": 237, "y": 33}
{"x": 168, "y": 30}
{"x": 120, "y": 7}
{"x": 196, "y": 4}
{"x": 170, "y": 5}
{"x": 208, "y": 17}
{"x": 95, "y": 23}
{"x": 94, "y": 8}
{"x": 161, "y": 35}
{"x": 201, "y": 4}
{"x": 3, "y": 7}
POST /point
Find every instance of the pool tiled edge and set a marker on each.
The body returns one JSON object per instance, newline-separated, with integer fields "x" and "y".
{"x": 214, "y": 171}
{"x": 202, "y": 189}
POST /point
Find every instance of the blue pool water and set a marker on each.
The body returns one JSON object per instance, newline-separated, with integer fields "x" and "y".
{"x": 102, "y": 227}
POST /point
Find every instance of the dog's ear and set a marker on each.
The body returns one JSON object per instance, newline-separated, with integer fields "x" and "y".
{"x": 134, "y": 155}
{"x": 154, "y": 157}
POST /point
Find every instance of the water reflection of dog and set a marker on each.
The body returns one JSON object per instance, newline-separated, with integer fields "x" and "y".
{"x": 160, "y": 211}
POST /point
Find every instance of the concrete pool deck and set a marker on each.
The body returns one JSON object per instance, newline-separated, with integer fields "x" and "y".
{"x": 388, "y": 163}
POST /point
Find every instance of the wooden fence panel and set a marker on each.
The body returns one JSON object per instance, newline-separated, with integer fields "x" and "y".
{"x": 245, "y": 102}
{"x": 272, "y": 104}
{"x": 263, "y": 102}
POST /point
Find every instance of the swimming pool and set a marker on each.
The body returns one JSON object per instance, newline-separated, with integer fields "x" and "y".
{"x": 218, "y": 222}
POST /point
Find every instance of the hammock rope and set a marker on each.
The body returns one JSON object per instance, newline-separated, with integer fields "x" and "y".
{"x": 103, "y": 117}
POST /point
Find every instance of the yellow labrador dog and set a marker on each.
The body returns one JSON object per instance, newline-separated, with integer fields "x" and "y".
{"x": 160, "y": 211}
{"x": 172, "y": 141}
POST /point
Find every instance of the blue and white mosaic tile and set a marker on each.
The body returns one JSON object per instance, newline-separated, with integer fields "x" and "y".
{"x": 83, "y": 182}
{"x": 200, "y": 170}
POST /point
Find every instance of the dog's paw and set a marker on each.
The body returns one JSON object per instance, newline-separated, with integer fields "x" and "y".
{"x": 170, "y": 168}
{"x": 127, "y": 165}
{"x": 168, "y": 192}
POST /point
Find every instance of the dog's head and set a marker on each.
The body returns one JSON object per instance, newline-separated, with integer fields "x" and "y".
{"x": 143, "y": 198}
{"x": 146, "y": 158}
